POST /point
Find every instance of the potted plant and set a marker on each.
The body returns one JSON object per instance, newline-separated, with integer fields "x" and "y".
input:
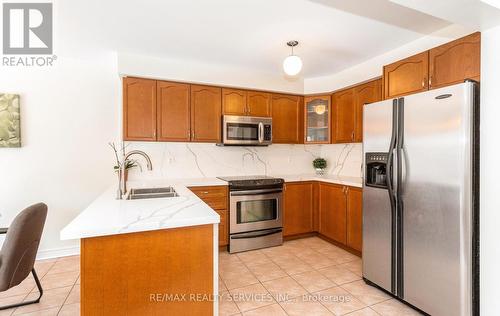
{"x": 320, "y": 165}
{"x": 129, "y": 163}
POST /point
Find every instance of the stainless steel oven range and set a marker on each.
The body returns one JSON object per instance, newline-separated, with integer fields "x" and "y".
{"x": 255, "y": 212}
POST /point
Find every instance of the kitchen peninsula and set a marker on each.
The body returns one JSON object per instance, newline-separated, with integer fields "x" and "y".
{"x": 135, "y": 253}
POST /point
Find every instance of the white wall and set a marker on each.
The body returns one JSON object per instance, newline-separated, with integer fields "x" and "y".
{"x": 68, "y": 114}
{"x": 196, "y": 72}
{"x": 373, "y": 67}
{"x": 490, "y": 172}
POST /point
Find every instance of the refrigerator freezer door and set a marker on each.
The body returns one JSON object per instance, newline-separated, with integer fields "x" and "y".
{"x": 436, "y": 200}
{"x": 377, "y": 212}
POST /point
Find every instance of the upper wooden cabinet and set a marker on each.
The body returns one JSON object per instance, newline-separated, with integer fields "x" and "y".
{"x": 298, "y": 208}
{"x": 343, "y": 114}
{"x": 173, "y": 121}
{"x": 406, "y": 76}
{"x": 139, "y": 109}
{"x": 455, "y": 61}
{"x": 259, "y": 103}
{"x": 332, "y": 212}
{"x": 287, "y": 119}
{"x": 234, "y": 102}
{"x": 355, "y": 218}
{"x": 363, "y": 94}
{"x": 317, "y": 114}
{"x": 206, "y": 114}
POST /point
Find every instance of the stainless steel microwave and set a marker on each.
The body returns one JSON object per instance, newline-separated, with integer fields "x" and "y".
{"x": 247, "y": 130}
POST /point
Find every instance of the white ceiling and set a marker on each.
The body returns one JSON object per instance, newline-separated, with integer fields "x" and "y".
{"x": 333, "y": 34}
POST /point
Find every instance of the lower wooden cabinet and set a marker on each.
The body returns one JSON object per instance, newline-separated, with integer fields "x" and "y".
{"x": 355, "y": 218}
{"x": 332, "y": 212}
{"x": 217, "y": 198}
{"x": 223, "y": 227}
{"x": 298, "y": 208}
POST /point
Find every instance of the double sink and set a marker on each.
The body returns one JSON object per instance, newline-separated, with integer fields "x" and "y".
{"x": 151, "y": 193}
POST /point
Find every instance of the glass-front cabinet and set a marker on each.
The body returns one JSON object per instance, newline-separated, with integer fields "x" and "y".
{"x": 317, "y": 119}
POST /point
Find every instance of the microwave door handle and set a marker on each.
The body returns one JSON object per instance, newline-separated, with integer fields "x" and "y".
{"x": 261, "y": 132}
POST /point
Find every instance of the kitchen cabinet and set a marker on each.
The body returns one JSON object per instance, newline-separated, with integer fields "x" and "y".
{"x": 365, "y": 93}
{"x": 406, "y": 76}
{"x": 287, "y": 114}
{"x": 259, "y": 103}
{"x": 234, "y": 102}
{"x": 448, "y": 64}
{"x": 455, "y": 61}
{"x": 343, "y": 116}
{"x": 317, "y": 119}
{"x": 139, "y": 109}
{"x": 173, "y": 119}
{"x": 298, "y": 208}
{"x": 206, "y": 112}
{"x": 354, "y": 218}
{"x": 332, "y": 212}
{"x": 217, "y": 198}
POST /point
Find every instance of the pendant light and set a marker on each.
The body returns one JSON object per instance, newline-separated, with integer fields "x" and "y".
{"x": 292, "y": 65}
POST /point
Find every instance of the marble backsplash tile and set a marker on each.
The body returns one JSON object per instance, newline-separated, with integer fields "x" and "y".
{"x": 195, "y": 160}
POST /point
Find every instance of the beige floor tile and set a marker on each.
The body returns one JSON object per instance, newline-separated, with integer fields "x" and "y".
{"x": 341, "y": 256}
{"x": 222, "y": 286}
{"x": 364, "y": 312}
{"x": 45, "y": 312}
{"x": 254, "y": 257}
{"x": 270, "y": 310}
{"x": 78, "y": 280}
{"x": 301, "y": 306}
{"x": 251, "y": 297}
{"x": 394, "y": 307}
{"x": 339, "y": 301}
{"x": 227, "y": 258}
{"x": 235, "y": 280}
{"x": 318, "y": 261}
{"x": 306, "y": 252}
{"x": 365, "y": 293}
{"x": 284, "y": 289}
{"x": 70, "y": 310}
{"x": 43, "y": 266}
{"x": 9, "y": 300}
{"x": 74, "y": 295}
{"x": 313, "y": 281}
{"x": 63, "y": 279}
{"x": 50, "y": 299}
{"x": 278, "y": 252}
{"x": 292, "y": 265}
{"x": 339, "y": 275}
{"x": 226, "y": 305}
{"x": 66, "y": 264}
{"x": 24, "y": 287}
{"x": 267, "y": 271}
{"x": 355, "y": 266}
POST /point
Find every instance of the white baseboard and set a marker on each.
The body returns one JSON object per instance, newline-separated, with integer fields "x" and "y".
{"x": 58, "y": 252}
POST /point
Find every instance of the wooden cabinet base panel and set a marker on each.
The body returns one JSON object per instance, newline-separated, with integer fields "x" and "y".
{"x": 340, "y": 245}
{"x": 133, "y": 274}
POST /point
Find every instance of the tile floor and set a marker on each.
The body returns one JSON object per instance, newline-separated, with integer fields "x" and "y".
{"x": 303, "y": 277}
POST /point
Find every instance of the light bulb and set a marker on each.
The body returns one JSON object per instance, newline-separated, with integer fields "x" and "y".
{"x": 292, "y": 65}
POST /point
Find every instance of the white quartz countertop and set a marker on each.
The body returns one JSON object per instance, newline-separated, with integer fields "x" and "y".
{"x": 108, "y": 216}
{"x": 342, "y": 180}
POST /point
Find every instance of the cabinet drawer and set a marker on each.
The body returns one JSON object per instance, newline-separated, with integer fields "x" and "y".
{"x": 223, "y": 227}
{"x": 214, "y": 196}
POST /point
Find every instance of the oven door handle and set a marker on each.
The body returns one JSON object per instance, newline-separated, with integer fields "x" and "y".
{"x": 257, "y": 234}
{"x": 256, "y": 192}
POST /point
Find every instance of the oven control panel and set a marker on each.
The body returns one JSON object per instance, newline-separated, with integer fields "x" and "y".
{"x": 267, "y": 132}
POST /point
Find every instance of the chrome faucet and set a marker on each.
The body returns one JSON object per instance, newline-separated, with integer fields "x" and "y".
{"x": 122, "y": 185}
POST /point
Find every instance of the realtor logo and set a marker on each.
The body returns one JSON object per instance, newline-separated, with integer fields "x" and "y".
{"x": 27, "y": 28}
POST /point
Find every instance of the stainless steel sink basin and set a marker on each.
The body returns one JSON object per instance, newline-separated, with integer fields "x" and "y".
{"x": 151, "y": 193}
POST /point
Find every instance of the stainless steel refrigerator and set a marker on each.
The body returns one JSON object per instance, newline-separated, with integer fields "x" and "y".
{"x": 420, "y": 199}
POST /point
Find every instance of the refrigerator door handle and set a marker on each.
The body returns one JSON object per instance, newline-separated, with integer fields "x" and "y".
{"x": 404, "y": 169}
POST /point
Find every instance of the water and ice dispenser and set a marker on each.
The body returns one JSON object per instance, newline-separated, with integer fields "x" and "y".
{"x": 376, "y": 170}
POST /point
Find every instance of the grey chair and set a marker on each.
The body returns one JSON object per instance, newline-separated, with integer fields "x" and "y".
{"x": 18, "y": 253}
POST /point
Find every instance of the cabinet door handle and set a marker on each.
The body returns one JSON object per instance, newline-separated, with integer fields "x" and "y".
{"x": 352, "y": 135}
{"x": 423, "y": 82}
{"x": 430, "y": 81}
